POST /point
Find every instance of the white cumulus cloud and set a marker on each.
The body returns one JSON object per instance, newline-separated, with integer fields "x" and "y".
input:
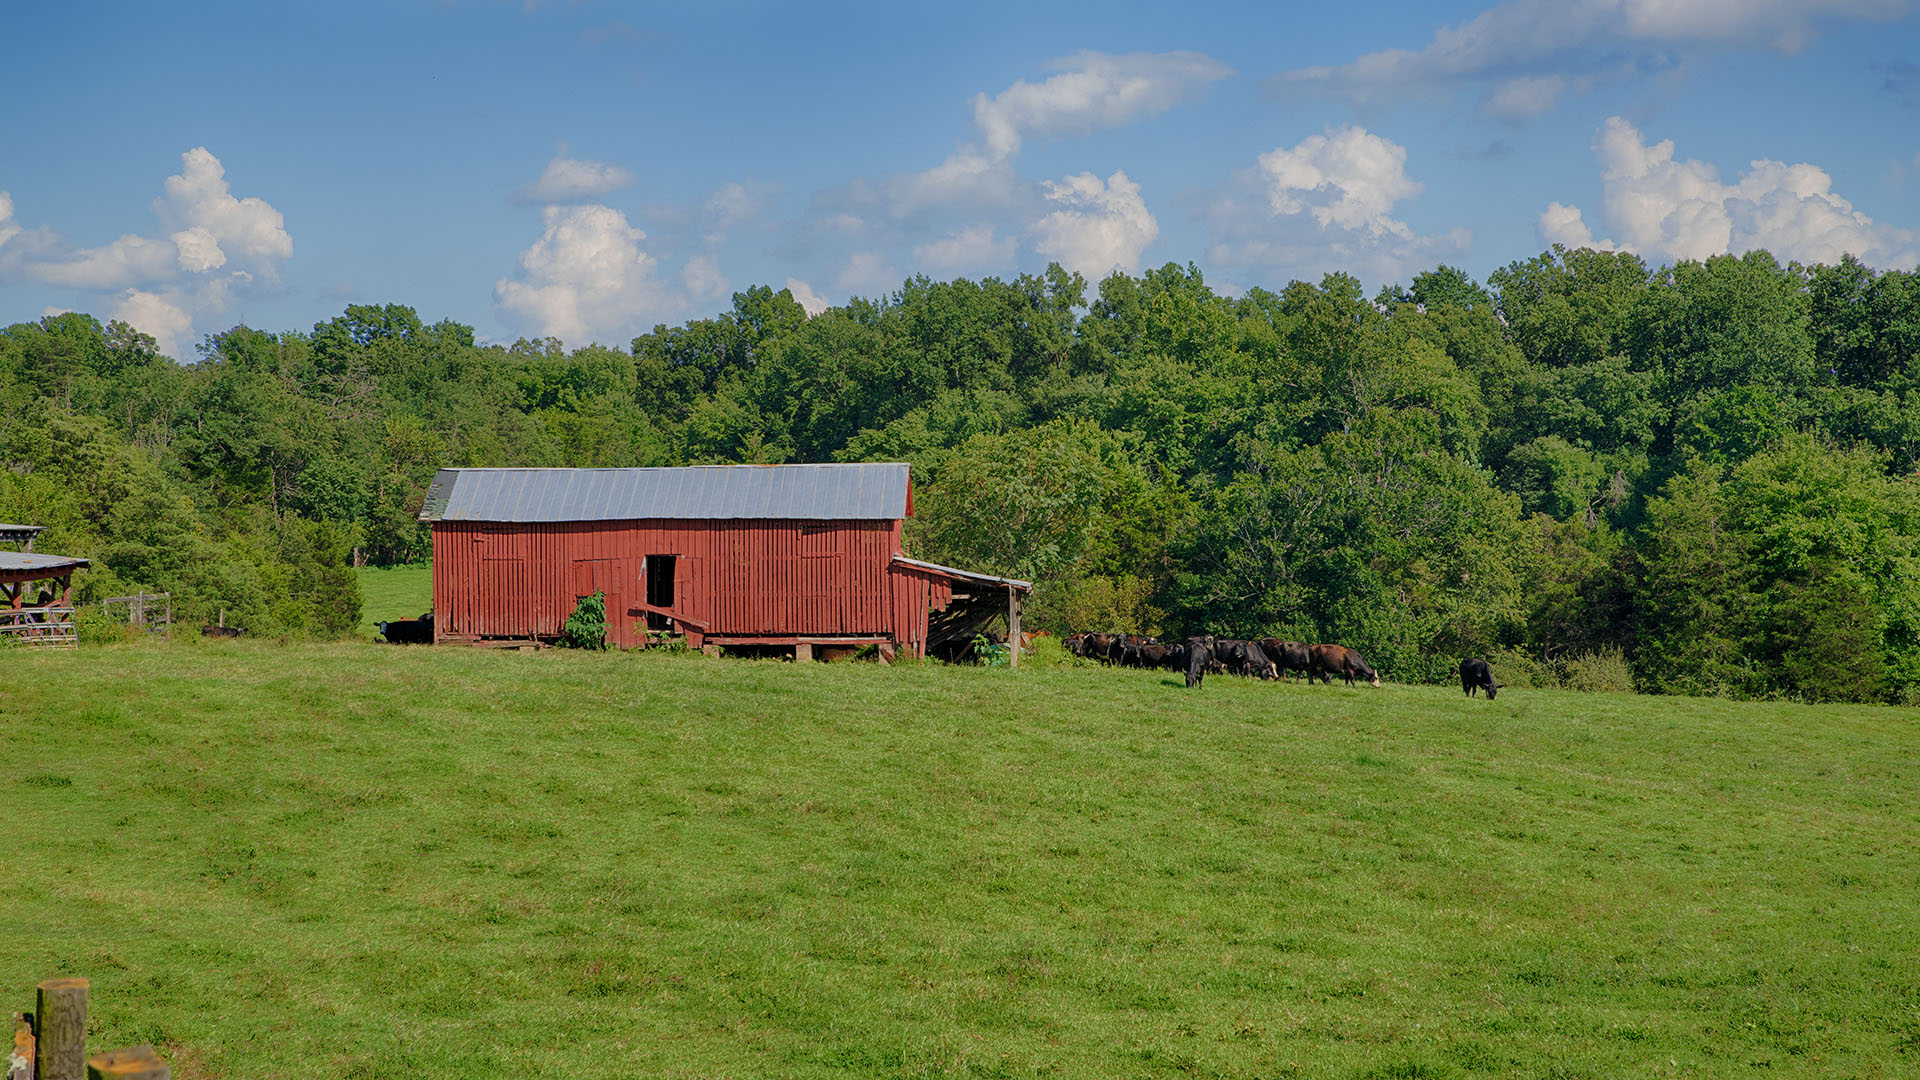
{"x": 1673, "y": 208}
{"x": 586, "y": 275}
{"x": 1092, "y": 90}
{"x": 211, "y": 249}
{"x": 973, "y": 248}
{"x": 1527, "y": 46}
{"x": 1525, "y": 97}
{"x": 811, "y": 302}
{"x": 1326, "y": 203}
{"x": 197, "y": 202}
{"x": 128, "y": 261}
{"x": 1349, "y": 178}
{"x": 867, "y": 272}
{"x": 198, "y": 250}
{"x": 8, "y": 227}
{"x": 152, "y": 314}
{"x": 1098, "y": 227}
{"x": 1566, "y": 226}
{"x": 703, "y": 281}
{"x": 567, "y": 180}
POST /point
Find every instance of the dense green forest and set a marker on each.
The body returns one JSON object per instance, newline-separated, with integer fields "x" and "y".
{"x": 1704, "y": 473}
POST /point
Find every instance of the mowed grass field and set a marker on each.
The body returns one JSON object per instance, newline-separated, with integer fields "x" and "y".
{"x": 397, "y": 592}
{"x": 370, "y": 861}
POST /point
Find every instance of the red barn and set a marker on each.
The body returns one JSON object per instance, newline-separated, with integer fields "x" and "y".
{"x": 783, "y": 555}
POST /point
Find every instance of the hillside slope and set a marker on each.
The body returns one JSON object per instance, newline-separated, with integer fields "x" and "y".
{"x": 281, "y": 861}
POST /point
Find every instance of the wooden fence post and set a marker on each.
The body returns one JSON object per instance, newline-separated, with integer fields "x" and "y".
{"x": 1013, "y": 627}
{"x": 60, "y": 1030}
{"x": 20, "y": 1062}
{"x": 133, "y": 1063}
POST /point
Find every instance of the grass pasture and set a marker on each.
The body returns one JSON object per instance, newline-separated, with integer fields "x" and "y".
{"x": 393, "y": 592}
{"x": 359, "y": 860}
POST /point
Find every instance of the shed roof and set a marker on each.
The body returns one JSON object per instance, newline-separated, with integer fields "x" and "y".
{"x": 19, "y": 534}
{"x": 968, "y": 576}
{"x": 837, "y": 492}
{"x": 15, "y": 563}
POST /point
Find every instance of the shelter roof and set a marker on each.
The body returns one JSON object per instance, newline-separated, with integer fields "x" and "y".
{"x": 836, "y": 492}
{"x": 19, "y": 534}
{"x": 968, "y": 576}
{"x": 13, "y": 564}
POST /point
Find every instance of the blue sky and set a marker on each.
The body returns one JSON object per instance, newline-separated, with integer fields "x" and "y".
{"x": 586, "y": 169}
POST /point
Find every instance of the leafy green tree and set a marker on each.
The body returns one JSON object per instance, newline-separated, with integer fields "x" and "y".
{"x": 1377, "y": 537}
{"x": 1567, "y": 306}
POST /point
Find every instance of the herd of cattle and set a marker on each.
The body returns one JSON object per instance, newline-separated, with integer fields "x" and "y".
{"x": 1198, "y": 657}
{"x": 1267, "y": 658}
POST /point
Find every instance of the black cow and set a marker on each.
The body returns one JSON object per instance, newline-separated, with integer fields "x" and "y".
{"x": 1477, "y": 675}
{"x": 1244, "y": 658}
{"x": 1331, "y": 660}
{"x": 221, "y": 631}
{"x": 409, "y": 631}
{"x": 1199, "y": 655}
{"x": 1102, "y": 647}
{"x": 1155, "y": 655}
{"x": 1287, "y": 656}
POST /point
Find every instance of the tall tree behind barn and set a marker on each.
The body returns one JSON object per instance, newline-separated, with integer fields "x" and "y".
{"x": 781, "y": 555}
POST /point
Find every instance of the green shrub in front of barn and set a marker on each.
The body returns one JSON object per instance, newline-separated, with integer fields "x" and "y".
{"x": 586, "y": 628}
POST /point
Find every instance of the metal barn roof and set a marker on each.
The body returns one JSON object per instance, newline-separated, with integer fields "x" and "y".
{"x": 852, "y": 492}
{"x": 968, "y": 576}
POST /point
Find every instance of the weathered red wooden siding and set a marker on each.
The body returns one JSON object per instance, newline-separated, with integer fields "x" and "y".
{"x": 740, "y": 578}
{"x": 914, "y": 593}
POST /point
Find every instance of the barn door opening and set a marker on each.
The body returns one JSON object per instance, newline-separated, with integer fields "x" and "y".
{"x": 659, "y": 589}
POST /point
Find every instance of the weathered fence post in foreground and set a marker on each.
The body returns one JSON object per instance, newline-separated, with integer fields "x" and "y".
{"x": 60, "y": 1030}
{"x": 20, "y": 1062}
{"x": 52, "y": 1044}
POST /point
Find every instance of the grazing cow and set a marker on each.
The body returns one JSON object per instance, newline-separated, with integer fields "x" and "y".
{"x": 221, "y": 631}
{"x": 409, "y": 631}
{"x": 1477, "y": 675}
{"x": 1102, "y": 647}
{"x": 1199, "y": 651}
{"x": 1287, "y": 656}
{"x": 1331, "y": 660}
{"x": 1245, "y": 658}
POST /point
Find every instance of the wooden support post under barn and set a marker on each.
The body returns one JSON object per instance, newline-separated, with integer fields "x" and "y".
{"x": 1013, "y": 627}
{"x": 786, "y": 556}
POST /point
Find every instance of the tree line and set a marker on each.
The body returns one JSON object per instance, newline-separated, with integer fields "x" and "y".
{"x": 1702, "y": 474}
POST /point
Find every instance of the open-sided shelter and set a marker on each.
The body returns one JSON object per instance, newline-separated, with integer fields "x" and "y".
{"x": 36, "y": 592}
{"x": 781, "y": 555}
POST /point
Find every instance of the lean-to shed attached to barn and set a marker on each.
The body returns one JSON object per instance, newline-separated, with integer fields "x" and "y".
{"x": 782, "y": 555}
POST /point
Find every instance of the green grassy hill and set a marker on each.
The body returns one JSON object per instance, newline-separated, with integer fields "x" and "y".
{"x": 359, "y": 860}
{"x": 397, "y": 592}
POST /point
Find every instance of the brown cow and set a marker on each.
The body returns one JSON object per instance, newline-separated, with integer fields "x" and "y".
{"x": 1331, "y": 660}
